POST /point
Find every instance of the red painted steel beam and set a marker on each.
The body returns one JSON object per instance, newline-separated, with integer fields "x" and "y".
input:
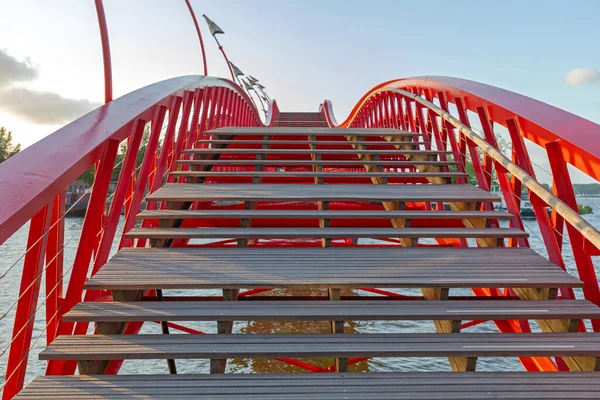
{"x": 583, "y": 261}
{"x": 541, "y": 122}
{"x": 53, "y": 163}
{"x": 199, "y": 34}
{"x": 108, "y": 88}
{"x": 28, "y": 299}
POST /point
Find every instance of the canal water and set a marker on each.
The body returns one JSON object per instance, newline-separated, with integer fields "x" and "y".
{"x": 11, "y": 251}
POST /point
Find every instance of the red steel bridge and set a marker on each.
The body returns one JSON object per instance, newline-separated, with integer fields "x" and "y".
{"x": 304, "y": 218}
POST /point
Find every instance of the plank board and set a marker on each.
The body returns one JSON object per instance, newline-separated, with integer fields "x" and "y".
{"x": 301, "y": 131}
{"x": 308, "y": 161}
{"x": 277, "y": 142}
{"x": 301, "y": 233}
{"x": 214, "y": 346}
{"x": 319, "y": 310}
{"x": 334, "y": 386}
{"x": 313, "y": 174}
{"x": 294, "y": 192}
{"x": 394, "y": 267}
{"x": 233, "y": 150}
{"x": 326, "y": 214}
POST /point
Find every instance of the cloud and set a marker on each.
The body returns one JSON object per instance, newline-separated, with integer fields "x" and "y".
{"x": 582, "y": 76}
{"x": 13, "y": 70}
{"x": 43, "y": 107}
{"x": 33, "y": 105}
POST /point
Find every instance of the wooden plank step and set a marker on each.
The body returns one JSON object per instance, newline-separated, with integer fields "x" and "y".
{"x": 324, "y": 214}
{"x": 314, "y": 174}
{"x": 215, "y": 346}
{"x": 354, "y": 267}
{"x": 319, "y": 310}
{"x": 342, "y": 142}
{"x": 233, "y": 150}
{"x": 308, "y": 162}
{"x": 298, "y": 233}
{"x": 295, "y": 192}
{"x": 300, "y": 131}
{"x": 333, "y": 386}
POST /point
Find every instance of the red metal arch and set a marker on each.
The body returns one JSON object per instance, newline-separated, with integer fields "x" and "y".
{"x": 410, "y": 104}
{"x": 33, "y": 177}
{"x": 540, "y": 122}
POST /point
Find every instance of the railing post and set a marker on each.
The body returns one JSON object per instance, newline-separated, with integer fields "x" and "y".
{"x": 144, "y": 174}
{"x": 27, "y": 303}
{"x": 401, "y": 116}
{"x": 54, "y": 266}
{"x": 541, "y": 215}
{"x": 583, "y": 261}
{"x": 89, "y": 240}
{"x": 188, "y": 101}
{"x": 215, "y": 106}
{"x": 458, "y": 157}
{"x": 156, "y": 180}
{"x": 411, "y": 118}
{"x": 503, "y": 179}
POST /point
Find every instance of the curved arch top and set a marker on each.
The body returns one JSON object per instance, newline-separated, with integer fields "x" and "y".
{"x": 32, "y": 177}
{"x": 540, "y": 122}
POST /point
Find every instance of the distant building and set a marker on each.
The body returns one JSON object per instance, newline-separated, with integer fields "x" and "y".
{"x": 73, "y": 194}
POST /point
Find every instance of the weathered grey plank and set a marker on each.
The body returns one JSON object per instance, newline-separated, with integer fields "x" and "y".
{"x": 299, "y": 131}
{"x": 308, "y": 161}
{"x": 198, "y": 268}
{"x": 279, "y": 192}
{"x": 341, "y": 142}
{"x": 326, "y": 174}
{"x": 328, "y": 310}
{"x": 376, "y": 386}
{"x": 291, "y": 233}
{"x": 329, "y": 214}
{"x": 143, "y": 347}
{"x": 230, "y": 150}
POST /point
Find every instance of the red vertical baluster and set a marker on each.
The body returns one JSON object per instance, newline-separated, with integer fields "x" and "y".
{"x": 386, "y": 110}
{"x": 539, "y": 208}
{"x": 462, "y": 114}
{"x": 161, "y": 165}
{"x": 54, "y": 268}
{"x": 458, "y": 157}
{"x": 564, "y": 189}
{"x": 88, "y": 242}
{"x": 140, "y": 189}
{"x": 28, "y": 298}
{"x": 503, "y": 179}
{"x": 401, "y": 115}
{"x": 114, "y": 213}
{"x": 182, "y": 135}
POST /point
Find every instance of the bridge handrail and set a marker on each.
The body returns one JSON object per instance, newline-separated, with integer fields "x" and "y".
{"x": 537, "y": 116}
{"x": 572, "y": 217}
{"x": 30, "y": 179}
{"x": 541, "y": 122}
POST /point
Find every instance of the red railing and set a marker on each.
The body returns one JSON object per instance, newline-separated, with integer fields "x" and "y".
{"x": 176, "y": 113}
{"x": 447, "y": 110}
{"x": 179, "y": 111}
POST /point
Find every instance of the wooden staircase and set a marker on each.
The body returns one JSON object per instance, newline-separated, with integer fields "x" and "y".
{"x": 325, "y": 191}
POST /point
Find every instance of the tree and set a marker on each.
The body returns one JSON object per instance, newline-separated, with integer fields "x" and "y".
{"x": 88, "y": 176}
{"x": 7, "y": 149}
{"x": 503, "y": 146}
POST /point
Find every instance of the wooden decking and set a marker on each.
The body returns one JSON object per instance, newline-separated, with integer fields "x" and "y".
{"x": 375, "y": 386}
{"x": 319, "y": 310}
{"x": 376, "y": 210}
{"x": 136, "y": 269}
{"x": 313, "y": 193}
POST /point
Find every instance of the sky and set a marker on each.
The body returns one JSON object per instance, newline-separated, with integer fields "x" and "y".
{"x": 303, "y": 51}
